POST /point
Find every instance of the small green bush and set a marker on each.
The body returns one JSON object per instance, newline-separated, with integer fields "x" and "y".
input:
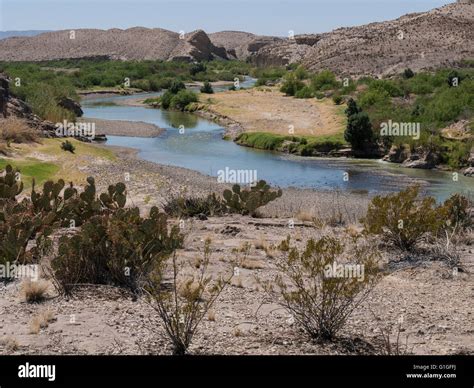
{"x": 68, "y": 146}
{"x": 291, "y": 85}
{"x": 304, "y": 92}
{"x": 207, "y": 88}
{"x": 325, "y": 80}
{"x": 182, "y": 99}
{"x": 403, "y": 219}
{"x": 320, "y": 299}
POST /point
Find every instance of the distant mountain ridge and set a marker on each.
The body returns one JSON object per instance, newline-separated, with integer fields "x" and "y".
{"x": 440, "y": 37}
{"x": 9, "y": 34}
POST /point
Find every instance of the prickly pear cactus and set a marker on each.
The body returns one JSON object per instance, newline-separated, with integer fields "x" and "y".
{"x": 248, "y": 201}
{"x": 10, "y": 184}
{"x": 116, "y": 196}
{"x": 49, "y": 199}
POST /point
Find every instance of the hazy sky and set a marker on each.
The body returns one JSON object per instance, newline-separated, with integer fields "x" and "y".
{"x": 271, "y": 17}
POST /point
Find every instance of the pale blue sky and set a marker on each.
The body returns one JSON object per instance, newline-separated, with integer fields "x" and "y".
{"x": 271, "y": 17}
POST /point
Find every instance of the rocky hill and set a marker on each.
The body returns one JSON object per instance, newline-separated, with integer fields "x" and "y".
{"x": 132, "y": 44}
{"x": 439, "y": 37}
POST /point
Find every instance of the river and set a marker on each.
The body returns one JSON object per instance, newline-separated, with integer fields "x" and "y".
{"x": 195, "y": 143}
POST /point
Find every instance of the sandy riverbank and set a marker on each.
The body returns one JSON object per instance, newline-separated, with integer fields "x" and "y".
{"x": 124, "y": 128}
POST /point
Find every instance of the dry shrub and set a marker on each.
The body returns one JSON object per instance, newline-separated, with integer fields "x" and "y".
{"x": 391, "y": 340}
{"x": 211, "y": 316}
{"x": 319, "y": 298}
{"x": 261, "y": 243}
{"x": 14, "y": 130}
{"x": 186, "y": 301}
{"x": 34, "y": 291}
{"x": 11, "y": 344}
{"x": 41, "y": 321}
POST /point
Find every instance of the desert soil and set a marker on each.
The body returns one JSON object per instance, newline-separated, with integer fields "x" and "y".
{"x": 434, "y": 305}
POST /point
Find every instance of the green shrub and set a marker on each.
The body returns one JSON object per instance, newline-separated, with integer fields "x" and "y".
{"x": 301, "y": 73}
{"x": 325, "y": 80}
{"x": 373, "y": 97}
{"x": 182, "y": 99}
{"x": 260, "y": 140}
{"x": 68, "y": 146}
{"x": 197, "y": 68}
{"x": 291, "y": 85}
{"x": 338, "y": 100}
{"x": 314, "y": 290}
{"x": 408, "y": 73}
{"x": 304, "y": 92}
{"x": 456, "y": 211}
{"x": 403, "y": 219}
{"x": 165, "y": 99}
{"x": 176, "y": 86}
{"x": 182, "y": 306}
{"x": 359, "y": 131}
{"x": 207, "y": 88}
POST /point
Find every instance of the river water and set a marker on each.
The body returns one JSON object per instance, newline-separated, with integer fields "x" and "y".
{"x": 195, "y": 143}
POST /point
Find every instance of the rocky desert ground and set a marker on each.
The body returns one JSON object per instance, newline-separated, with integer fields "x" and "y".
{"x": 423, "y": 302}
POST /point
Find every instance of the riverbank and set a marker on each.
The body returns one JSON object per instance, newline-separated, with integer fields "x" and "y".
{"x": 123, "y": 128}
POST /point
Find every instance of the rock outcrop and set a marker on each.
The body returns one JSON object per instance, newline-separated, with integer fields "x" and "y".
{"x": 71, "y": 105}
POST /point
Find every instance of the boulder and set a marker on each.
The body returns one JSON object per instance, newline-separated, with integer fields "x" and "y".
{"x": 398, "y": 154}
{"x": 71, "y": 105}
{"x": 469, "y": 172}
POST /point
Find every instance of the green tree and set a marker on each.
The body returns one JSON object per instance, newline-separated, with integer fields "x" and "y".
{"x": 359, "y": 130}
{"x": 352, "y": 108}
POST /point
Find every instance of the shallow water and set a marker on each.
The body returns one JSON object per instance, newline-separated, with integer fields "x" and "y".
{"x": 197, "y": 144}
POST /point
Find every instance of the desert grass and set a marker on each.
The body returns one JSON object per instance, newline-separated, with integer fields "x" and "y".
{"x": 11, "y": 344}
{"x": 14, "y": 130}
{"x": 41, "y": 321}
{"x": 34, "y": 291}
